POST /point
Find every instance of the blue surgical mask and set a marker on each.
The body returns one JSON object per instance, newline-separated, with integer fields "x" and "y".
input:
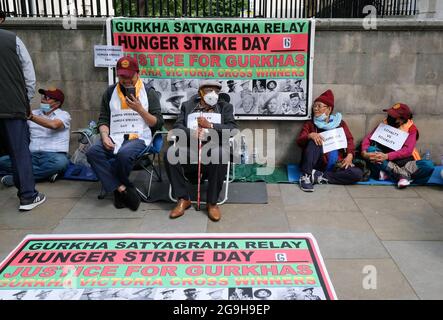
{"x": 45, "y": 107}
{"x": 321, "y": 117}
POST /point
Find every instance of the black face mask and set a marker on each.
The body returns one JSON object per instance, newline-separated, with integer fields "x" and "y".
{"x": 392, "y": 122}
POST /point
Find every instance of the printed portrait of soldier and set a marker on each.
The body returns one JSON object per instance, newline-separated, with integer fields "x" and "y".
{"x": 271, "y": 86}
{"x": 162, "y": 85}
{"x": 247, "y": 105}
{"x": 95, "y": 294}
{"x": 143, "y": 294}
{"x": 216, "y": 294}
{"x": 258, "y": 85}
{"x": 240, "y": 293}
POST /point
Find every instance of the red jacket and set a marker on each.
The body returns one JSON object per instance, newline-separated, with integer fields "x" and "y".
{"x": 309, "y": 127}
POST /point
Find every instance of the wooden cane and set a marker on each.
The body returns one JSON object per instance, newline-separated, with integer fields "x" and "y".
{"x": 199, "y": 166}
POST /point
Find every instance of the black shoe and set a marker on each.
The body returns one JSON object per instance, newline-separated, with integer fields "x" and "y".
{"x": 118, "y": 200}
{"x": 26, "y": 205}
{"x": 131, "y": 198}
{"x": 306, "y": 184}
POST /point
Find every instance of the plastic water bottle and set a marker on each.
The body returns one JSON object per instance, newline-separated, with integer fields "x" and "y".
{"x": 428, "y": 155}
{"x": 244, "y": 158}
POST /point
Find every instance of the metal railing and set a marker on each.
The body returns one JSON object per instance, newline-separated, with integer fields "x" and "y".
{"x": 207, "y": 8}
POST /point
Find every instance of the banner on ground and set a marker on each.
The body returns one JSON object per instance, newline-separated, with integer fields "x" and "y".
{"x": 264, "y": 65}
{"x": 166, "y": 267}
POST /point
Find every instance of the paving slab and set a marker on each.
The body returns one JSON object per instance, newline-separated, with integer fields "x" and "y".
{"x": 325, "y": 197}
{"x": 273, "y": 190}
{"x": 433, "y": 195}
{"x": 422, "y": 264}
{"x": 11, "y": 238}
{"x": 269, "y": 217}
{"x": 45, "y": 216}
{"x": 80, "y": 226}
{"x": 364, "y": 191}
{"x": 64, "y": 188}
{"x": 6, "y": 194}
{"x": 158, "y": 221}
{"x": 341, "y": 234}
{"x": 348, "y": 279}
{"x": 402, "y": 219}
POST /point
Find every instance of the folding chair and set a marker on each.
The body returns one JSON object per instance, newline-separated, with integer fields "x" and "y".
{"x": 228, "y": 179}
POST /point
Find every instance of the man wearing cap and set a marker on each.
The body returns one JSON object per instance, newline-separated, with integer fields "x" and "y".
{"x": 129, "y": 116}
{"x": 216, "y": 294}
{"x": 191, "y": 294}
{"x": 17, "y": 88}
{"x": 334, "y": 167}
{"x": 296, "y": 105}
{"x": 49, "y": 129}
{"x": 308, "y": 294}
{"x": 180, "y": 168}
{"x": 175, "y": 102}
{"x": 404, "y": 165}
{"x": 168, "y": 294}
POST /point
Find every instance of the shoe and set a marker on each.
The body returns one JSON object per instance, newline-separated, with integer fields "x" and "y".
{"x": 403, "y": 183}
{"x": 305, "y": 183}
{"x": 26, "y": 205}
{"x": 214, "y": 212}
{"x": 180, "y": 208}
{"x": 383, "y": 176}
{"x": 318, "y": 178}
{"x": 53, "y": 178}
{"x": 7, "y": 181}
{"x": 118, "y": 200}
{"x": 131, "y": 198}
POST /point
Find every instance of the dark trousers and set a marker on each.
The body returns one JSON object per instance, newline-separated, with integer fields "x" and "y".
{"x": 313, "y": 159}
{"x": 113, "y": 169}
{"x": 16, "y": 134}
{"x": 179, "y": 173}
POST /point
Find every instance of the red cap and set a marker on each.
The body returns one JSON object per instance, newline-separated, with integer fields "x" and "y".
{"x": 53, "y": 93}
{"x": 399, "y": 110}
{"x": 127, "y": 67}
{"x": 327, "y": 98}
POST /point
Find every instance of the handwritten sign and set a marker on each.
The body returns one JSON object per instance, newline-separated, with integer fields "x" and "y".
{"x": 389, "y": 136}
{"x": 107, "y": 56}
{"x": 125, "y": 122}
{"x": 211, "y": 117}
{"x": 334, "y": 140}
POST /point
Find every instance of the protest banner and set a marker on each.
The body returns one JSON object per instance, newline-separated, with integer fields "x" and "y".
{"x": 334, "y": 140}
{"x": 254, "y": 59}
{"x": 107, "y": 56}
{"x": 166, "y": 267}
{"x": 390, "y": 137}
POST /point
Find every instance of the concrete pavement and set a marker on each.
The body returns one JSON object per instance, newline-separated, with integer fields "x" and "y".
{"x": 399, "y": 232}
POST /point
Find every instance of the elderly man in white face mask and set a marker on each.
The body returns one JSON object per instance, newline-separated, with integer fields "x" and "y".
{"x": 204, "y": 114}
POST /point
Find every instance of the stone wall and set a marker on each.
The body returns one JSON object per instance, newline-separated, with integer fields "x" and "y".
{"x": 367, "y": 70}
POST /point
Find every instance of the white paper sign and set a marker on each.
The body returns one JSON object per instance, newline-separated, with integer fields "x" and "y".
{"x": 125, "y": 122}
{"x": 107, "y": 56}
{"x": 334, "y": 139}
{"x": 210, "y": 116}
{"x": 390, "y": 137}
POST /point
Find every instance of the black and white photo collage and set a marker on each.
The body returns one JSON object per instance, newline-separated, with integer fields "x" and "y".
{"x": 151, "y": 293}
{"x": 257, "y": 97}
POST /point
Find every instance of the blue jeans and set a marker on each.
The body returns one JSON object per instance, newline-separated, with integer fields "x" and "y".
{"x": 113, "y": 169}
{"x": 44, "y": 164}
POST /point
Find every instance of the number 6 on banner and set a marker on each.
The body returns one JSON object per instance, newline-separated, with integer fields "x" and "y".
{"x": 280, "y": 257}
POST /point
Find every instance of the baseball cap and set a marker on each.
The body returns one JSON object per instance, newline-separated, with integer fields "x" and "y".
{"x": 399, "y": 110}
{"x": 127, "y": 67}
{"x": 53, "y": 93}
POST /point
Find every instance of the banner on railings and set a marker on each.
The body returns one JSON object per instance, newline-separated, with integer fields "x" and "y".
{"x": 166, "y": 267}
{"x": 264, "y": 65}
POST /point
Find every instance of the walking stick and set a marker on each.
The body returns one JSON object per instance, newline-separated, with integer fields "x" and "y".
{"x": 199, "y": 166}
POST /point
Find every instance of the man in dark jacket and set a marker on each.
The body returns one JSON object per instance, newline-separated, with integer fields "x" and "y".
{"x": 129, "y": 116}
{"x": 208, "y": 105}
{"x": 17, "y": 88}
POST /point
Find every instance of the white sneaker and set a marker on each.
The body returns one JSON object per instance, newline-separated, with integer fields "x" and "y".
{"x": 383, "y": 176}
{"x": 403, "y": 183}
{"x": 26, "y": 205}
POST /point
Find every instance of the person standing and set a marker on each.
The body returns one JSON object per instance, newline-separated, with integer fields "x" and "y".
{"x": 17, "y": 88}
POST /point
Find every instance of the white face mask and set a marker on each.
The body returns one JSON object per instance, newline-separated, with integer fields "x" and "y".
{"x": 211, "y": 98}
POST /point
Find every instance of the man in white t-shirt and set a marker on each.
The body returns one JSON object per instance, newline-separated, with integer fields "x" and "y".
{"x": 49, "y": 132}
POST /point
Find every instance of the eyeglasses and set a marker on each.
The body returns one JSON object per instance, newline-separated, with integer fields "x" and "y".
{"x": 317, "y": 106}
{"x": 207, "y": 90}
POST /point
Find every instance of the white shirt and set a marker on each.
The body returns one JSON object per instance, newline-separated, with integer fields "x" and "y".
{"x": 50, "y": 140}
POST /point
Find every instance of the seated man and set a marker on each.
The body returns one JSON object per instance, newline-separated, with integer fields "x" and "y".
{"x": 206, "y": 101}
{"x": 334, "y": 167}
{"x": 403, "y": 165}
{"x": 130, "y": 114}
{"x": 49, "y": 133}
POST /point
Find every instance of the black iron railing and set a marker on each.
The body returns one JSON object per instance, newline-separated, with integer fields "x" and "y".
{"x": 208, "y": 8}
